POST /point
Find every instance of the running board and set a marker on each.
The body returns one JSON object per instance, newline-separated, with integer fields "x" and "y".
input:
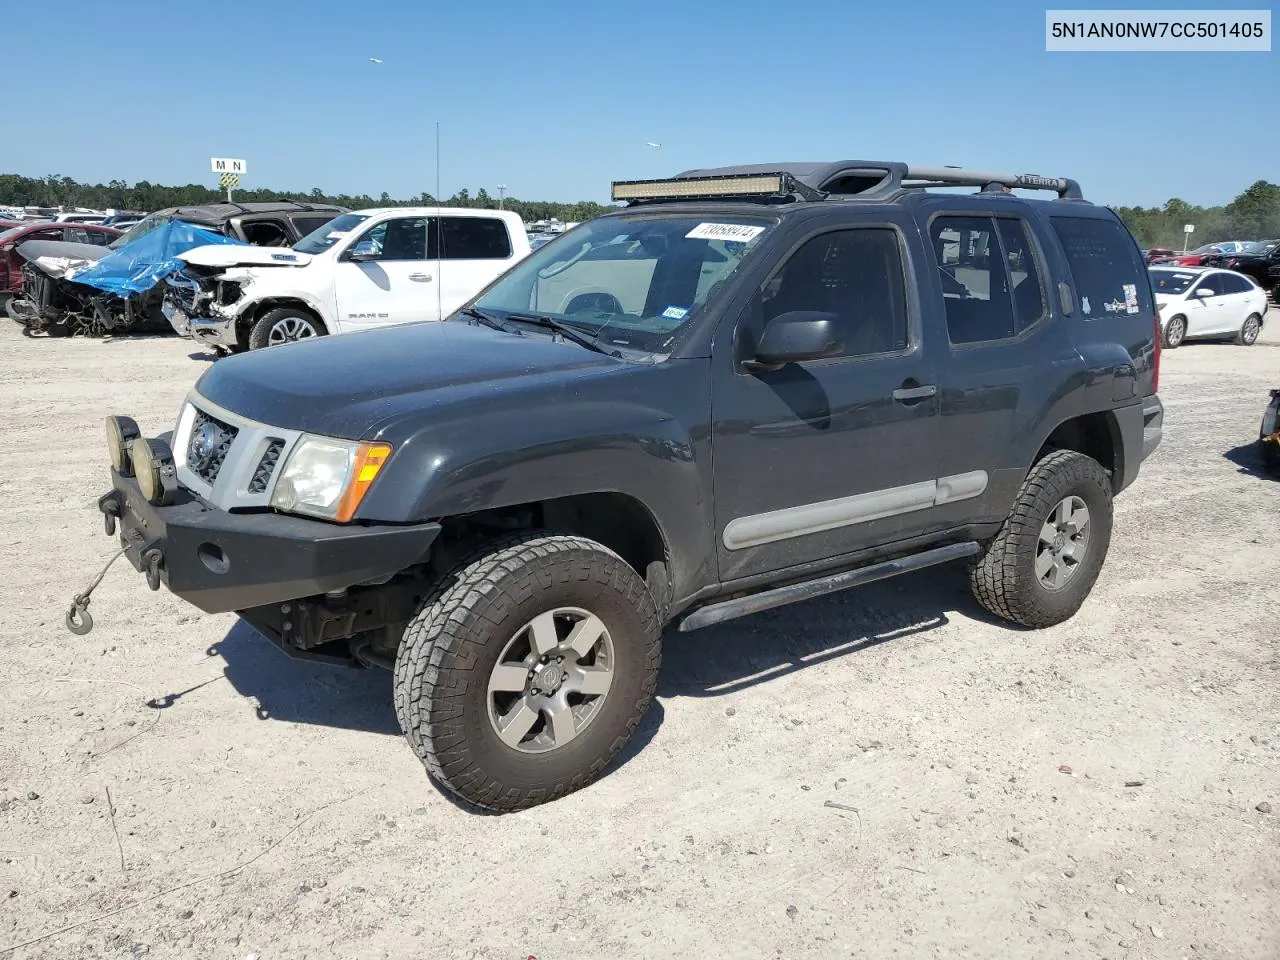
{"x": 781, "y": 596}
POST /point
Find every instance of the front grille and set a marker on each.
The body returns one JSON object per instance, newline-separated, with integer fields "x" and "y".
{"x": 208, "y": 446}
{"x": 266, "y": 467}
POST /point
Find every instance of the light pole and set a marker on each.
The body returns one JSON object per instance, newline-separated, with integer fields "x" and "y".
{"x": 502, "y": 193}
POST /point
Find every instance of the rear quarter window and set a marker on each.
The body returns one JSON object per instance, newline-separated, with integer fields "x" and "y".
{"x": 1108, "y": 273}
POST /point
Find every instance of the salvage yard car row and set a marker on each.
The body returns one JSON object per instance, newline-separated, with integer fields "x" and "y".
{"x": 239, "y": 276}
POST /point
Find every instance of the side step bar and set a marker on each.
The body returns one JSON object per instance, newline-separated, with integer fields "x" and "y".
{"x": 780, "y": 596}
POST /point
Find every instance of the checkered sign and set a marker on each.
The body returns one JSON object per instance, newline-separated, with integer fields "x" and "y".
{"x": 229, "y": 180}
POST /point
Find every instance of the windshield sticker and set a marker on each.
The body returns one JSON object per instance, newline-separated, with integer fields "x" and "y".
{"x": 1115, "y": 306}
{"x": 1130, "y": 298}
{"x": 337, "y": 234}
{"x": 733, "y": 232}
{"x": 675, "y": 313}
{"x": 1084, "y": 305}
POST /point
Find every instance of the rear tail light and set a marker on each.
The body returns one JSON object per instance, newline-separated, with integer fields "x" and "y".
{"x": 1155, "y": 368}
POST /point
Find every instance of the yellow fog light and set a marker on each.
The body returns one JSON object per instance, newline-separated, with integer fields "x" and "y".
{"x": 153, "y": 466}
{"x": 121, "y": 432}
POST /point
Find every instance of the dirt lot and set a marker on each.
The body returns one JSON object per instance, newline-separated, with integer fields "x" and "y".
{"x": 1099, "y": 789}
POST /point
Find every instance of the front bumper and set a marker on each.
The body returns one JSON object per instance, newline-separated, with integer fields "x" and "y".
{"x": 221, "y": 333}
{"x": 177, "y": 317}
{"x": 223, "y": 562}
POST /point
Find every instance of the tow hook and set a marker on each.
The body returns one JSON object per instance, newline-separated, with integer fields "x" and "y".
{"x": 78, "y": 619}
{"x": 109, "y": 504}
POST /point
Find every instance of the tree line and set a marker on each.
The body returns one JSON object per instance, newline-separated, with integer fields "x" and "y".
{"x": 1253, "y": 215}
{"x": 145, "y": 197}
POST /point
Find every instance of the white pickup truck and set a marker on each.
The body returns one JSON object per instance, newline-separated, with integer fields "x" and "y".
{"x": 368, "y": 268}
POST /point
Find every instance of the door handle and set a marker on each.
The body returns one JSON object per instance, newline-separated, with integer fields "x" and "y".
{"x": 420, "y": 277}
{"x": 908, "y": 394}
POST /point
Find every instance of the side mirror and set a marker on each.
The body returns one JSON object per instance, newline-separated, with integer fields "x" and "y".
{"x": 1204, "y": 292}
{"x": 361, "y": 253}
{"x": 796, "y": 337}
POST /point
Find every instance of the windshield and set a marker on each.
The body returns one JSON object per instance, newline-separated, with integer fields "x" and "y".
{"x": 1252, "y": 246}
{"x": 322, "y": 238}
{"x": 1171, "y": 282}
{"x": 10, "y": 234}
{"x": 139, "y": 229}
{"x": 632, "y": 282}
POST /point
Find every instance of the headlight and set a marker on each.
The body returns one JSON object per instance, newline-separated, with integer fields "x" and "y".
{"x": 328, "y": 478}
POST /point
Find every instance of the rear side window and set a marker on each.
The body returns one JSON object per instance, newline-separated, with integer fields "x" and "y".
{"x": 1109, "y": 276}
{"x": 306, "y": 225}
{"x": 472, "y": 238}
{"x": 1233, "y": 283}
{"x": 990, "y": 280}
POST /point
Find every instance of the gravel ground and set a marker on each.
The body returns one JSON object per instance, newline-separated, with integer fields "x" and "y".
{"x": 883, "y": 773}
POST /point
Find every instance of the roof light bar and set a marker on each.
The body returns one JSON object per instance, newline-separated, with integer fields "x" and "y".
{"x": 765, "y": 184}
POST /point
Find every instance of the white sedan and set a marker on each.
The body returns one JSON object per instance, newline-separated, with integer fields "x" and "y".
{"x": 1202, "y": 303}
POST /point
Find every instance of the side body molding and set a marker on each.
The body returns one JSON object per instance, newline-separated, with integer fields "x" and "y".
{"x": 808, "y": 518}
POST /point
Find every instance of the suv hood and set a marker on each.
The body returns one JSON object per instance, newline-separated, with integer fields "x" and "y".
{"x": 356, "y": 385}
{"x": 221, "y": 256}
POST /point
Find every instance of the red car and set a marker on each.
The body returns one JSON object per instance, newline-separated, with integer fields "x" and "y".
{"x": 11, "y": 261}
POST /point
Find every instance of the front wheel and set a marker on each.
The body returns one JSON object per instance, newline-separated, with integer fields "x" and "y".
{"x": 284, "y": 325}
{"x": 1041, "y": 566}
{"x": 1175, "y": 331}
{"x": 528, "y": 669}
{"x": 1248, "y": 334}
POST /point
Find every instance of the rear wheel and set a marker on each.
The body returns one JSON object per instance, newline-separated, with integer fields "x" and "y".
{"x": 1175, "y": 331}
{"x": 1043, "y": 563}
{"x": 1270, "y": 451}
{"x": 528, "y": 669}
{"x": 1249, "y": 331}
{"x": 284, "y": 325}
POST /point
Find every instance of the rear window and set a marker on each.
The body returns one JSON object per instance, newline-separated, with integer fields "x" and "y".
{"x": 1109, "y": 275}
{"x": 471, "y": 238}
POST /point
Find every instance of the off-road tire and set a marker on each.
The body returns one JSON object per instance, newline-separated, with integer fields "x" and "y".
{"x": 449, "y": 648}
{"x": 1003, "y": 577}
{"x": 260, "y": 332}
{"x": 1249, "y": 341}
{"x": 1171, "y": 343}
{"x": 1270, "y": 454}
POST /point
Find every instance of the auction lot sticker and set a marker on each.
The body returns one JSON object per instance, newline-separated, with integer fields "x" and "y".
{"x": 735, "y": 232}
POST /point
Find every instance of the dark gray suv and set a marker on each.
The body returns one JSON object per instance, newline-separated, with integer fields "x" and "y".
{"x": 747, "y": 387}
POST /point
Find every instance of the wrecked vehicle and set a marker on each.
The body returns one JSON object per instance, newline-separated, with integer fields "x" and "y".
{"x": 11, "y": 262}
{"x": 68, "y": 290}
{"x": 369, "y": 268}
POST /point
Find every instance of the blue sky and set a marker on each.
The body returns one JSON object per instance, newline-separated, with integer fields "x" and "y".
{"x": 557, "y": 98}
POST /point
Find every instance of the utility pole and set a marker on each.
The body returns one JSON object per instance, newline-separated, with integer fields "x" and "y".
{"x": 502, "y": 193}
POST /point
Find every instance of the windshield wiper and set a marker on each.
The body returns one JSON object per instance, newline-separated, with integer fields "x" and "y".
{"x": 566, "y": 331}
{"x": 491, "y": 322}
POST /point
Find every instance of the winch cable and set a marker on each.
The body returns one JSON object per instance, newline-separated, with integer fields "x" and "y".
{"x": 78, "y": 620}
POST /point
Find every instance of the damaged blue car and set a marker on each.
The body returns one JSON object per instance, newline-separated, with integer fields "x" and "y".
{"x": 78, "y": 289}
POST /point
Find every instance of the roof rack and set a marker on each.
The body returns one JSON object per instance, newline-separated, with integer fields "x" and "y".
{"x": 864, "y": 179}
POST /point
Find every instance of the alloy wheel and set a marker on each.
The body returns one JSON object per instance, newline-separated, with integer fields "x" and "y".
{"x": 290, "y": 330}
{"x": 551, "y": 680}
{"x": 1064, "y": 539}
